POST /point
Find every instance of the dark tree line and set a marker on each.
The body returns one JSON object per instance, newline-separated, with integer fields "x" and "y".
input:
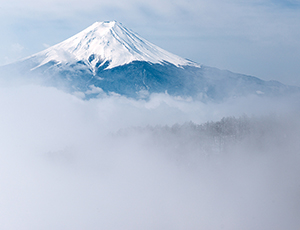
{"x": 218, "y": 137}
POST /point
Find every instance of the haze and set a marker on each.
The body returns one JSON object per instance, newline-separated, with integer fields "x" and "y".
{"x": 73, "y": 164}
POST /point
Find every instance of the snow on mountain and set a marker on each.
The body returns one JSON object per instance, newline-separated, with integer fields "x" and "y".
{"x": 109, "y": 58}
{"x": 105, "y": 42}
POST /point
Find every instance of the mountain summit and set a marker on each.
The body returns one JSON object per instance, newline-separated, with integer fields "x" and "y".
{"x": 107, "y": 43}
{"x": 109, "y": 58}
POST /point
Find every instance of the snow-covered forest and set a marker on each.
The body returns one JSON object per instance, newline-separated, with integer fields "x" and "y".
{"x": 256, "y": 134}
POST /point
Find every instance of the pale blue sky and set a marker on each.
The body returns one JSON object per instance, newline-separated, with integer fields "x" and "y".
{"x": 258, "y": 37}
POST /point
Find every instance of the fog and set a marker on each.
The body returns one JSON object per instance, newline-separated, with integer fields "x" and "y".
{"x": 120, "y": 163}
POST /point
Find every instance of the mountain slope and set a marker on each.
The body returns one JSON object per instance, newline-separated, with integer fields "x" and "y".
{"x": 111, "y": 58}
{"x": 106, "y": 42}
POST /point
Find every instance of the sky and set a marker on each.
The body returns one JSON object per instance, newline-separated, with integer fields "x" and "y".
{"x": 259, "y": 37}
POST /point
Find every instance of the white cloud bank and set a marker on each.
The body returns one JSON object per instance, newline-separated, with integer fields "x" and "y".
{"x": 63, "y": 167}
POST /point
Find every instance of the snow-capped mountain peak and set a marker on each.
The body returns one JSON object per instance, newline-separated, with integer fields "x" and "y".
{"x": 108, "y": 58}
{"x": 108, "y": 43}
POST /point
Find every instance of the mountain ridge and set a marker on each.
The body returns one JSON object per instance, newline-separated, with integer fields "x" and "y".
{"x": 107, "y": 41}
{"x": 107, "y": 57}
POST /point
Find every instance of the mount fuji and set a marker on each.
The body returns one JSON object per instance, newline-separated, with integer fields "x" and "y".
{"x": 109, "y": 58}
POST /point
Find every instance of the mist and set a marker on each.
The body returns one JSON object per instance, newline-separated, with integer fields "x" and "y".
{"x": 120, "y": 163}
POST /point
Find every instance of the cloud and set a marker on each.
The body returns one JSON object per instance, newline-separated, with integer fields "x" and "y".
{"x": 17, "y": 47}
{"x": 65, "y": 164}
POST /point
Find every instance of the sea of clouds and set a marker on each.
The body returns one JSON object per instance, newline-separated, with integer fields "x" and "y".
{"x": 68, "y": 163}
